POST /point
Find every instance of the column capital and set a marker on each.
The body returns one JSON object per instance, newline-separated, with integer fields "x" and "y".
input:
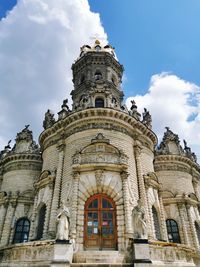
{"x": 76, "y": 175}
{"x": 137, "y": 147}
{"x": 61, "y": 146}
{"x": 124, "y": 175}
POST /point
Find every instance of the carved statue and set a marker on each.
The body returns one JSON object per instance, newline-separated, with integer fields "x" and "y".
{"x": 147, "y": 118}
{"x": 133, "y": 111}
{"x": 139, "y": 222}
{"x": 48, "y": 120}
{"x": 63, "y": 223}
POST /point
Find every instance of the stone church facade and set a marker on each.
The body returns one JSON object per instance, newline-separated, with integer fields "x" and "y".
{"x": 98, "y": 159}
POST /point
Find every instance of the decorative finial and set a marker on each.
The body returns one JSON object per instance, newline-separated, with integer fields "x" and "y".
{"x": 97, "y": 42}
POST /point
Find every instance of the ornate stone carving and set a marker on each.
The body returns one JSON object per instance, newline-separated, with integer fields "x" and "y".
{"x": 63, "y": 223}
{"x": 147, "y": 120}
{"x": 133, "y": 112}
{"x": 48, "y": 120}
{"x": 100, "y": 151}
{"x": 99, "y": 177}
{"x": 139, "y": 221}
{"x": 189, "y": 153}
{"x": 65, "y": 110}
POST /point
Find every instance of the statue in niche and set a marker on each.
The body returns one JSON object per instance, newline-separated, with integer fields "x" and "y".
{"x": 139, "y": 222}
{"x": 63, "y": 223}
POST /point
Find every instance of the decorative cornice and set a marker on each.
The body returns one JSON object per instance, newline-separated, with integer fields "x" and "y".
{"x": 179, "y": 200}
{"x": 91, "y": 119}
{"x": 175, "y": 163}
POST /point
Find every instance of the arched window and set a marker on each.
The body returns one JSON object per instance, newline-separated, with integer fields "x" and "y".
{"x": 41, "y": 220}
{"x": 99, "y": 103}
{"x": 98, "y": 75}
{"x": 197, "y": 227}
{"x": 172, "y": 231}
{"x": 156, "y": 223}
{"x": 21, "y": 231}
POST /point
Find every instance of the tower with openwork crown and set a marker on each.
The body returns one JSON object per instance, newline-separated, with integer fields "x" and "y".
{"x": 126, "y": 200}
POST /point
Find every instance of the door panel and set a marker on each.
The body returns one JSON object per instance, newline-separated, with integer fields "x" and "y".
{"x": 100, "y": 223}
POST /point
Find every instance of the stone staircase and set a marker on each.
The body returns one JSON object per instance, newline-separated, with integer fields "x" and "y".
{"x": 99, "y": 259}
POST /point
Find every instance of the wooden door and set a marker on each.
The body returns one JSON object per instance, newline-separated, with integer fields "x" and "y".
{"x": 100, "y": 223}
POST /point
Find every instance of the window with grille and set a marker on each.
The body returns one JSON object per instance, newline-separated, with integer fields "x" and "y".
{"x": 156, "y": 223}
{"x": 21, "y": 231}
{"x": 173, "y": 231}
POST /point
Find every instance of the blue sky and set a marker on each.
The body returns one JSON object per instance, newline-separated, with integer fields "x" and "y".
{"x": 153, "y": 36}
{"x": 149, "y": 37}
{"x": 156, "y": 41}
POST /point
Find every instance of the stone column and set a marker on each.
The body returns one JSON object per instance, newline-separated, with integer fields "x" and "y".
{"x": 33, "y": 218}
{"x": 151, "y": 232}
{"x": 141, "y": 184}
{"x": 8, "y": 223}
{"x": 183, "y": 223}
{"x": 56, "y": 193}
{"x": 192, "y": 227}
{"x": 73, "y": 218}
{"x": 162, "y": 219}
{"x": 3, "y": 216}
{"x": 127, "y": 212}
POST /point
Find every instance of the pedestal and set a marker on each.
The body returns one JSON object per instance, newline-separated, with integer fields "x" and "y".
{"x": 63, "y": 253}
{"x": 141, "y": 253}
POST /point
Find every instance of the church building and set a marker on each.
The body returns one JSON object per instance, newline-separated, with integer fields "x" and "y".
{"x": 99, "y": 190}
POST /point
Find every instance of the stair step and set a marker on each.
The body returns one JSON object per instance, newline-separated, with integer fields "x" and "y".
{"x": 101, "y": 265}
{"x": 99, "y": 257}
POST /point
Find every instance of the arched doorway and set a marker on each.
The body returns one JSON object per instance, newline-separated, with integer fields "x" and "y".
{"x": 100, "y": 231}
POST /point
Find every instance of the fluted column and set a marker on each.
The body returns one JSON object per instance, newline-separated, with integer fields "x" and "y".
{"x": 73, "y": 217}
{"x": 162, "y": 219}
{"x": 127, "y": 212}
{"x": 192, "y": 227}
{"x": 151, "y": 232}
{"x": 141, "y": 184}
{"x": 56, "y": 193}
{"x": 183, "y": 223}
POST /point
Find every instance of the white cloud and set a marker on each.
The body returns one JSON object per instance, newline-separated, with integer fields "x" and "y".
{"x": 173, "y": 102}
{"x": 39, "y": 40}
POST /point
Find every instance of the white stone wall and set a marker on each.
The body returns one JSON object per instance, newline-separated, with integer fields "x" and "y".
{"x": 177, "y": 182}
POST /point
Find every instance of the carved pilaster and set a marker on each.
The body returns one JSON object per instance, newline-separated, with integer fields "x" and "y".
{"x": 73, "y": 219}
{"x": 195, "y": 185}
{"x": 47, "y": 215}
{"x": 33, "y": 218}
{"x": 8, "y": 223}
{"x": 128, "y": 222}
{"x": 141, "y": 184}
{"x": 3, "y": 216}
{"x": 183, "y": 223}
{"x": 162, "y": 219}
{"x": 192, "y": 227}
{"x": 56, "y": 192}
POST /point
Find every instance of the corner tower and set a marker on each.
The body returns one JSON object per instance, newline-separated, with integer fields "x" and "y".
{"x": 97, "y": 78}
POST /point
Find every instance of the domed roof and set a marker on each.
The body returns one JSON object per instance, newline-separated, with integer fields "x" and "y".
{"x": 97, "y": 47}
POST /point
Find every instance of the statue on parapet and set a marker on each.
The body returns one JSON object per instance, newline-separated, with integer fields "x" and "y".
{"x": 63, "y": 223}
{"x": 147, "y": 120}
{"x": 139, "y": 221}
{"x": 48, "y": 120}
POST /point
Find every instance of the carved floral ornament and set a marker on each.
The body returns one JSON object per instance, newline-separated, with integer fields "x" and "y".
{"x": 100, "y": 151}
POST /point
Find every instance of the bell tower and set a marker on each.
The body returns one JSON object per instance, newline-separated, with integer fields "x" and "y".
{"x": 97, "y": 78}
